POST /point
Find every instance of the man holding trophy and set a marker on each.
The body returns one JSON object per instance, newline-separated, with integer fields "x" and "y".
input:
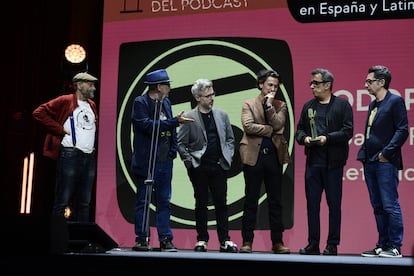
{"x": 324, "y": 129}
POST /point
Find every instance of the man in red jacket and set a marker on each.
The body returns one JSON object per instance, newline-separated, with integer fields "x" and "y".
{"x": 71, "y": 122}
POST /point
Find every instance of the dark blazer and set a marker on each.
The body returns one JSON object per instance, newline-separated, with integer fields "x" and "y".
{"x": 340, "y": 129}
{"x": 388, "y": 132}
{"x": 143, "y": 121}
{"x": 192, "y": 138}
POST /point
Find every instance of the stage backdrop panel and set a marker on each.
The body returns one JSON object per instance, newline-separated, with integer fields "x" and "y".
{"x": 228, "y": 42}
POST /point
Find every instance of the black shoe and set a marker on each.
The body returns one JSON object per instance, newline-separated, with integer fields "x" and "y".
{"x": 310, "y": 249}
{"x": 330, "y": 250}
{"x": 167, "y": 246}
{"x": 142, "y": 245}
{"x": 229, "y": 247}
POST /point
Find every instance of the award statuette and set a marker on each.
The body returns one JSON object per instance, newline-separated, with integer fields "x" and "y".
{"x": 314, "y": 132}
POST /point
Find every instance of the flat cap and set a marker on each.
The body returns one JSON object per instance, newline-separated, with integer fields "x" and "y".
{"x": 84, "y": 77}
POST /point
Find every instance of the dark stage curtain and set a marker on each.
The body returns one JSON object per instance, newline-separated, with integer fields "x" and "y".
{"x": 34, "y": 36}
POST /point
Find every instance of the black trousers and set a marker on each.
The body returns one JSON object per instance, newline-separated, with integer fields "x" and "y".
{"x": 267, "y": 170}
{"x": 317, "y": 180}
{"x": 211, "y": 178}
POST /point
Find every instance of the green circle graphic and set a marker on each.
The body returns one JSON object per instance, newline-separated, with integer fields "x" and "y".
{"x": 209, "y": 66}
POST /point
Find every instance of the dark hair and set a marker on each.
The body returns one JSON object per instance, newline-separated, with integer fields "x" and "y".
{"x": 326, "y": 75}
{"x": 381, "y": 73}
{"x": 262, "y": 76}
{"x": 152, "y": 86}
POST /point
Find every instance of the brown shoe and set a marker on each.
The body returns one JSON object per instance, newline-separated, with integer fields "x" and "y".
{"x": 279, "y": 248}
{"x": 246, "y": 248}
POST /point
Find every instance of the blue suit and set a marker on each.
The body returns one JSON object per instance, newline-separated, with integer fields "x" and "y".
{"x": 386, "y": 134}
{"x": 144, "y": 146}
{"x": 142, "y": 121}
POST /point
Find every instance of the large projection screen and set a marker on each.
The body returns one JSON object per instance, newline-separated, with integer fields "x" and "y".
{"x": 228, "y": 41}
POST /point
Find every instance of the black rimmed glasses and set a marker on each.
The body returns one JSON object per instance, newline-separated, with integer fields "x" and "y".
{"x": 369, "y": 82}
{"x": 315, "y": 82}
{"x": 208, "y": 95}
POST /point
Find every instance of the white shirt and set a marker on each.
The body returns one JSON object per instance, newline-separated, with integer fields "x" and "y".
{"x": 85, "y": 128}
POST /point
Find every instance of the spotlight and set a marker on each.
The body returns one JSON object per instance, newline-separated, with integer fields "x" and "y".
{"x": 75, "y": 53}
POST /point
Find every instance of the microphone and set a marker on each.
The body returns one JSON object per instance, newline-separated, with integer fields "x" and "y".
{"x": 162, "y": 97}
{"x": 158, "y": 98}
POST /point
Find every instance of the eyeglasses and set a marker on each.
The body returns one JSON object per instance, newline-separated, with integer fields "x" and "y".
{"x": 369, "y": 82}
{"x": 209, "y": 95}
{"x": 315, "y": 82}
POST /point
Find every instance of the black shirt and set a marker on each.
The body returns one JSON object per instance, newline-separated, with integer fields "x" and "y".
{"x": 213, "y": 151}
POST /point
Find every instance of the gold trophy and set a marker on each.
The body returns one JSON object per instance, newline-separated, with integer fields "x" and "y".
{"x": 314, "y": 132}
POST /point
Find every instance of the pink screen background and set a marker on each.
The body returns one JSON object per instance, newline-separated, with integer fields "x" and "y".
{"x": 348, "y": 49}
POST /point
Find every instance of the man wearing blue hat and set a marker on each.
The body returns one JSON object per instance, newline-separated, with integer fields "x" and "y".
{"x": 155, "y": 147}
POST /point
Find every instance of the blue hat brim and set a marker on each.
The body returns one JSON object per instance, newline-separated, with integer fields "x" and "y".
{"x": 157, "y": 82}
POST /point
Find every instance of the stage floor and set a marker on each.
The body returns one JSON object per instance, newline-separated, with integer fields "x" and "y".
{"x": 122, "y": 260}
{"x": 264, "y": 257}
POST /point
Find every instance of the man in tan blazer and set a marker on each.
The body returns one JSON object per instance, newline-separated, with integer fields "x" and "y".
{"x": 263, "y": 151}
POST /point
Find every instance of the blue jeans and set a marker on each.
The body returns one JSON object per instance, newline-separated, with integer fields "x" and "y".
{"x": 382, "y": 182}
{"x": 161, "y": 192}
{"x": 75, "y": 177}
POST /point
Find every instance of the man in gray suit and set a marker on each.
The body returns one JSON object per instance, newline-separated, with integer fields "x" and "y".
{"x": 206, "y": 148}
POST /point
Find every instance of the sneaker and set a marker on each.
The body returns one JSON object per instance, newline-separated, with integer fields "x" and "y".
{"x": 391, "y": 252}
{"x": 246, "y": 248}
{"x": 167, "y": 246}
{"x": 229, "y": 247}
{"x": 201, "y": 246}
{"x": 372, "y": 253}
{"x": 142, "y": 245}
